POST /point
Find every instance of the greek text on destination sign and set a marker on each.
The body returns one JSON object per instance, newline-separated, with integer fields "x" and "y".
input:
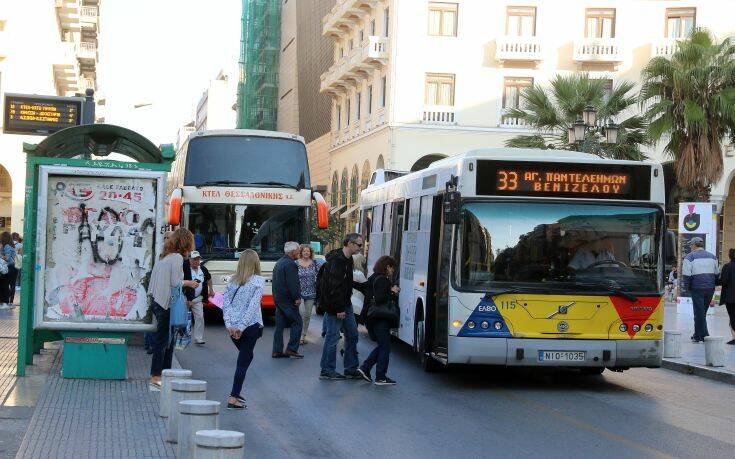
{"x": 40, "y": 115}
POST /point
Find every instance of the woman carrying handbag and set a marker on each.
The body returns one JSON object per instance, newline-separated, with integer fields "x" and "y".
{"x": 380, "y": 314}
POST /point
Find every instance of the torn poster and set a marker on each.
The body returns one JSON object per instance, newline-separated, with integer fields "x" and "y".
{"x": 99, "y": 248}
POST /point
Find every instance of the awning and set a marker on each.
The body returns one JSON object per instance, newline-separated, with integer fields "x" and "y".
{"x": 337, "y": 209}
{"x": 349, "y": 212}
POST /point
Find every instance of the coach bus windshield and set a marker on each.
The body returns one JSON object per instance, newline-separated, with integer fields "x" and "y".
{"x": 222, "y": 231}
{"x": 242, "y": 160}
{"x": 559, "y": 247}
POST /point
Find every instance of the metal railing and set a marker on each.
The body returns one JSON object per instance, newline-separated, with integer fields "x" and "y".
{"x": 597, "y": 50}
{"x": 518, "y": 49}
{"x": 438, "y": 114}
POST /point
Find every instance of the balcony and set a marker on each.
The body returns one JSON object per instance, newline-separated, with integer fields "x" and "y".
{"x": 87, "y": 83}
{"x": 664, "y": 47}
{"x": 344, "y": 14}
{"x": 356, "y": 65}
{"x": 522, "y": 49}
{"x": 67, "y": 73}
{"x": 597, "y": 50}
{"x": 87, "y": 51}
{"x": 69, "y": 12}
{"x": 89, "y": 16}
{"x": 438, "y": 114}
{"x": 506, "y": 121}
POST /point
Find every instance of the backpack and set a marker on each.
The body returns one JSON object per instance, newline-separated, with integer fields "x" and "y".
{"x": 322, "y": 283}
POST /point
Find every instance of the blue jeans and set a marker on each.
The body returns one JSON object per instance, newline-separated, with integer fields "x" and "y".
{"x": 380, "y": 356}
{"x": 701, "y": 299}
{"x": 333, "y": 328}
{"x": 287, "y": 316}
{"x": 245, "y": 344}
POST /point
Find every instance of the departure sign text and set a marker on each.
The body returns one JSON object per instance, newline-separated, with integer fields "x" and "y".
{"x": 39, "y": 115}
{"x": 562, "y": 182}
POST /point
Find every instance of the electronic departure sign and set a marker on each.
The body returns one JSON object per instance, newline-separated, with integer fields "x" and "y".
{"x": 564, "y": 180}
{"x": 40, "y": 115}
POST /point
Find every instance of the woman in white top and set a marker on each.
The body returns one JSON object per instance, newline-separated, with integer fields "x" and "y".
{"x": 243, "y": 319}
{"x": 358, "y": 276}
{"x": 168, "y": 272}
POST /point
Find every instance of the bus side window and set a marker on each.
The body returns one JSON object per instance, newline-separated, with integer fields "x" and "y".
{"x": 406, "y": 215}
{"x": 425, "y": 215}
{"x": 366, "y": 224}
{"x": 387, "y": 217}
{"x": 378, "y": 217}
{"x": 414, "y": 215}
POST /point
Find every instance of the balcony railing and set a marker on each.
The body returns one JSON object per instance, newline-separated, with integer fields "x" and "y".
{"x": 375, "y": 48}
{"x": 87, "y": 50}
{"x": 504, "y": 120}
{"x": 597, "y": 50}
{"x": 527, "y": 49}
{"x": 438, "y": 114}
{"x": 664, "y": 47}
{"x": 88, "y": 16}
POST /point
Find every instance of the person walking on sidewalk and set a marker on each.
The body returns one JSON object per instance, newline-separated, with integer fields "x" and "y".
{"x": 335, "y": 299}
{"x": 195, "y": 297}
{"x": 308, "y": 269}
{"x": 380, "y": 288}
{"x": 727, "y": 296}
{"x": 7, "y": 280}
{"x": 18, "y": 244}
{"x": 699, "y": 273}
{"x": 168, "y": 273}
{"x": 287, "y": 296}
{"x": 243, "y": 318}
{"x": 150, "y": 337}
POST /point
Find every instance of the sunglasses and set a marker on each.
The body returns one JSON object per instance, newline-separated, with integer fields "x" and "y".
{"x": 359, "y": 245}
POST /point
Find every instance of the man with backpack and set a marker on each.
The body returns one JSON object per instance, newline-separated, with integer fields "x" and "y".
{"x": 334, "y": 292}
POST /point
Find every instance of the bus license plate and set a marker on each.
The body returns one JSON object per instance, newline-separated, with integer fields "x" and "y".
{"x": 561, "y": 356}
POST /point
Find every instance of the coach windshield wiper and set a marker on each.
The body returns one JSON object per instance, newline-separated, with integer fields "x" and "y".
{"x": 222, "y": 183}
{"x": 493, "y": 293}
{"x": 610, "y": 287}
{"x": 277, "y": 185}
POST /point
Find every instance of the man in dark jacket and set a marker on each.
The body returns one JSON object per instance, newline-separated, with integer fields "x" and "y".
{"x": 287, "y": 296}
{"x": 337, "y": 305}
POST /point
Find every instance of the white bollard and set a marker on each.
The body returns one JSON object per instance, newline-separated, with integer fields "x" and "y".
{"x": 714, "y": 351}
{"x": 164, "y": 403}
{"x": 182, "y": 389}
{"x": 195, "y": 415}
{"x": 219, "y": 444}
{"x": 672, "y": 344}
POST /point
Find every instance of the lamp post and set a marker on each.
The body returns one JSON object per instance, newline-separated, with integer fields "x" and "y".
{"x": 579, "y": 132}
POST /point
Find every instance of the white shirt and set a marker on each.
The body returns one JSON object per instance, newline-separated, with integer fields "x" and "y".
{"x": 198, "y": 274}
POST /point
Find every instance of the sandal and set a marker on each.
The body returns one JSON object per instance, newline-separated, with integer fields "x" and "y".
{"x": 302, "y": 342}
{"x": 155, "y": 385}
{"x": 235, "y": 406}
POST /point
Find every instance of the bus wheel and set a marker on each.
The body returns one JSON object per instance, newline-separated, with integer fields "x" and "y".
{"x": 419, "y": 344}
{"x": 592, "y": 371}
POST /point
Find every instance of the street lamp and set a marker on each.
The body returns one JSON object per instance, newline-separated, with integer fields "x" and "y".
{"x": 589, "y": 115}
{"x": 578, "y": 131}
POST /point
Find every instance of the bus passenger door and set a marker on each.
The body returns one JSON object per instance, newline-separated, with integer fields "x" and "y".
{"x": 440, "y": 253}
{"x": 396, "y": 231}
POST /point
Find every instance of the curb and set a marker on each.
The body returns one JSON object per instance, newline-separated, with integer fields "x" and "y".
{"x": 699, "y": 370}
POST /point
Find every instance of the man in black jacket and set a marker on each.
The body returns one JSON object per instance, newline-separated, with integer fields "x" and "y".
{"x": 337, "y": 305}
{"x": 287, "y": 296}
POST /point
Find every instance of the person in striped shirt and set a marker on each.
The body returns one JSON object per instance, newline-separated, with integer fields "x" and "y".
{"x": 700, "y": 271}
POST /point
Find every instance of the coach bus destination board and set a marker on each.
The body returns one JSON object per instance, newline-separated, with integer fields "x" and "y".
{"x": 40, "y": 115}
{"x": 564, "y": 180}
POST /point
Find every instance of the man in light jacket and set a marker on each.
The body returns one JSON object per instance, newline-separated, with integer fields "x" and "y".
{"x": 287, "y": 296}
{"x": 699, "y": 272}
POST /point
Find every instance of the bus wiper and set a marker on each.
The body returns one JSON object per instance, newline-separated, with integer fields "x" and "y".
{"x": 493, "y": 293}
{"x": 611, "y": 287}
{"x": 277, "y": 184}
{"x": 222, "y": 182}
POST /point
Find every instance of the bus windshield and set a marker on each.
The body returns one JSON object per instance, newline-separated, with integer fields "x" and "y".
{"x": 559, "y": 247}
{"x": 241, "y": 160}
{"x": 222, "y": 231}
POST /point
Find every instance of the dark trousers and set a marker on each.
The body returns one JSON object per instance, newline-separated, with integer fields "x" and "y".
{"x": 7, "y": 285}
{"x": 163, "y": 349}
{"x": 287, "y": 316}
{"x": 731, "y": 312}
{"x": 380, "y": 357}
{"x": 245, "y": 344}
{"x": 701, "y": 299}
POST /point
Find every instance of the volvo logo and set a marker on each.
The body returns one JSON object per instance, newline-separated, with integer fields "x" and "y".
{"x": 563, "y": 309}
{"x": 562, "y": 326}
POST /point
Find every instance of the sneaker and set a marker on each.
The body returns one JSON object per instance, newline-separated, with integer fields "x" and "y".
{"x": 365, "y": 375}
{"x": 732, "y": 341}
{"x": 294, "y": 354}
{"x": 353, "y": 375}
{"x": 199, "y": 343}
{"x": 385, "y": 382}
{"x": 333, "y": 376}
{"x": 4, "y": 306}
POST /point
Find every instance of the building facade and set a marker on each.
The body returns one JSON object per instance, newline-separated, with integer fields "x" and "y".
{"x": 47, "y": 47}
{"x": 413, "y": 81}
{"x": 216, "y": 108}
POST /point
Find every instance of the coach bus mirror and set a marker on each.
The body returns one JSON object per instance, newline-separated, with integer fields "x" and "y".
{"x": 174, "y": 208}
{"x": 450, "y": 207}
{"x": 322, "y": 211}
{"x": 670, "y": 248}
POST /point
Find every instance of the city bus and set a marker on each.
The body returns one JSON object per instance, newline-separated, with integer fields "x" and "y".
{"x": 524, "y": 257}
{"x": 243, "y": 189}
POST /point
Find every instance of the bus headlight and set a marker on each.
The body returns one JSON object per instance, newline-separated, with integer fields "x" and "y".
{"x": 648, "y": 328}
{"x": 470, "y": 325}
{"x": 623, "y": 328}
{"x": 636, "y": 328}
{"x": 457, "y": 324}
{"x": 498, "y": 326}
{"x": 484, "y": 324}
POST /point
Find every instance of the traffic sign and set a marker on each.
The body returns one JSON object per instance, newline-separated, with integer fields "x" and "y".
{"x": 40, "y": 115}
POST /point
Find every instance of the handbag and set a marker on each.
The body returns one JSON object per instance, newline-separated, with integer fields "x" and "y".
{"x": 3, "y": 267}
{"x": 177, "y": 306}
{"x": 388, "y": 311}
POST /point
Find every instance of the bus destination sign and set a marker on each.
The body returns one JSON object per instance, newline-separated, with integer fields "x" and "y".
{"x": 40, "y": 115}
{"x": 564, "y": 180}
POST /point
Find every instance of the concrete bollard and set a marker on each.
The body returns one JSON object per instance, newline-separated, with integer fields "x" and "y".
{"x": 714, "y": 351}
{"x": 219, "y": 444}
{"x": 182, "y": 389}
{"x": 164, "y": 402}
{"x": 672, "y": 344}
{"x": 195, "y": 415}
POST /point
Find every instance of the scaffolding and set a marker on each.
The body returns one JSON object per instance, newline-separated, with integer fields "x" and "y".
{"x": 257, "y": 90}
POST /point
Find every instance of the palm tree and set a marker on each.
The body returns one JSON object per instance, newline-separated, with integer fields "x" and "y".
{"x": 551, "y": 111}
{"x": 689, "y": 101}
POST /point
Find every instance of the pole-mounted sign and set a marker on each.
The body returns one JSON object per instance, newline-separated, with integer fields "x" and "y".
{"x": 40, "y": 115}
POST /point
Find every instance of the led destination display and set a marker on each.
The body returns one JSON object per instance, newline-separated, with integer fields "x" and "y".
{"x": 37, "y": 115}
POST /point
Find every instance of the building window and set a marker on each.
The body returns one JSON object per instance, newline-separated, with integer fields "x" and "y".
{"x": 347, "y": 112}
{"x": 439, "y": 89}
{"x": 386, "y": 21}
{"x": 358, "y": 103}
{"x": 443, "y": 19}
{"x": 341, "y": 52}
{"x": 339, "y": 116}
{"x": 334, "y": 198}
{"x": 383, "y": 90}
{"x": 680, "y": 21}
{"x": 343, "y": 188}
{"x": 520, "y": 21}
{"x": 354, "y": 185}
{"x": 369, "y": 99}
{"x": 362, "y": 35}
{"x": 607, "y": 89}
{"x": 599, "y": 23}
{"x": 372, "y": 27}
{"x": 513, "y": 95}
{"x": 352, "y": 44}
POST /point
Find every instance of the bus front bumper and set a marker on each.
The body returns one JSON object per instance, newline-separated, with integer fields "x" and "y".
{"x": 530, "y": 352}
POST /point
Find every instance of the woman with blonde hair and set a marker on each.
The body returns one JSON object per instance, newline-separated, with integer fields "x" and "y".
{"x": 167, "y": 273}
{"x": 243, "y": 319}
{"x": 308, "y": 269}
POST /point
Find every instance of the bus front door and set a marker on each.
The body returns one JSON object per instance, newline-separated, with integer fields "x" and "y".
{"x": 440, "y": 252}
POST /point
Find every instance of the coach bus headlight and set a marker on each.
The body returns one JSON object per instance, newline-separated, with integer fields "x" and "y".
{"x": 457, "y": 324}
{"x": 623, "y": 328}
{"x": 484, "y": 324}
{"x": 636, "y": 328}
{"x": 498, "y": 326}
{"x": 648, "y": 328}
{"x": 470, "y": 325}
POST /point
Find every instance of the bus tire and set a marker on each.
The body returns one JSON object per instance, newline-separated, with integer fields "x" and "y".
{"x": 592, "y": 371}
{"x": 428, "y": 363}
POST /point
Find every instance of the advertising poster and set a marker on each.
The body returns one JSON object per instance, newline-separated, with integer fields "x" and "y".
{"x": 99, "y": 249}
{"x": 695, "y": 220}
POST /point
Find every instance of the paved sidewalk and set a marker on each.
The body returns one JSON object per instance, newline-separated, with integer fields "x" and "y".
{"x": 692, "y": 360}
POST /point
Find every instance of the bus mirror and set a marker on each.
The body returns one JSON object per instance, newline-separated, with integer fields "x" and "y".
{"x": 174, "y": 208}
{"x": 322, "y": 211}
{"x": 450, "y": 206}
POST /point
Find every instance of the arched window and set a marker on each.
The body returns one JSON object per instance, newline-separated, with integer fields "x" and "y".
{"x": 354, "y": 185}
{"x": 343, "y": 188}
{"x": 334, "y": 195}
{"x": 365, "y": 180}
{"x": 381, "y": 163}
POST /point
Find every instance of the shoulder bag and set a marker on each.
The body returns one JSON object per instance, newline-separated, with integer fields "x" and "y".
{"x": 177, "y": 306}
{"x": 388, "y": 311}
